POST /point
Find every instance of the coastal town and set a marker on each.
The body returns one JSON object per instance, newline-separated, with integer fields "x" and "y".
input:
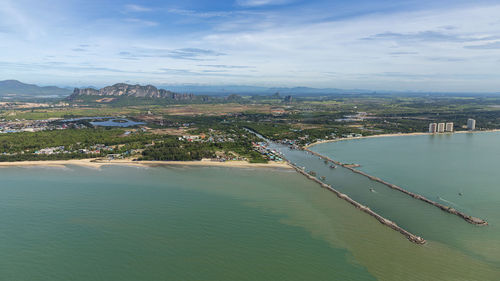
{"x": 185, "y": 127}
{"x": 17, "y": 125}
{"x": 154, "y": 128}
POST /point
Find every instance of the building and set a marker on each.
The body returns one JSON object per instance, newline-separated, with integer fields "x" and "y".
{"x": 440, "y": 128}
{"x": 449, "y": 127}
{"x": 471, "y": 124}
{"x": 432, "y": 128}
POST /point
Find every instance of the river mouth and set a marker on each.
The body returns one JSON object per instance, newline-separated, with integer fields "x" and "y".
{"x": 459, "y": 171}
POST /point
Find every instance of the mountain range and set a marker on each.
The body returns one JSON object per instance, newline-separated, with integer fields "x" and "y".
{"x": 170, "y": 91}
{"x": 135, "y": 91}
{"x": 16, "y": 88}
{"x": 215, "y": 90}
{"x": 9, "y": 88}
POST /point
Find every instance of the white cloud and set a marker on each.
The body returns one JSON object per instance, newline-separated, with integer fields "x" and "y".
{"x": 192, "y": 13}
{"x": 256, "y": 3}
{"x": 14, "y": 20}
{"x": 141, "y": 22}
{"x": 445, "y": 48}
{"x": 136, "y": 8}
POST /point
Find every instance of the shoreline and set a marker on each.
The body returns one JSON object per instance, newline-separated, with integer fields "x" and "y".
{"x": 98, "y": 163}
{"x": 399, "y": 135}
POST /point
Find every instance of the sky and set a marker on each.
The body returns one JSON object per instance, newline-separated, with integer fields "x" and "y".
{"x": 405, "y": 45}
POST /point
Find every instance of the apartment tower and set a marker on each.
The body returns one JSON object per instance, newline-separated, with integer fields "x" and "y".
{"x": 440, "y": 128}
{"x": 432, "y": 128}
{"x": 449, "y": 127}
{"x": 471, "y": 124}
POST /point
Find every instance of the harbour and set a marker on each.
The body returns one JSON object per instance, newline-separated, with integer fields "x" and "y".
{"x": 449, "y": 209}
{"x": 412, "y": 237}
{"x": 282, "y": 150}
{"x": 453, "y": 170}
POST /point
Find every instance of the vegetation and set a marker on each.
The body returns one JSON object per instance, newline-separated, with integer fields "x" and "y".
{"x": 71, "y": 139}
{"x": 187, "y": 151}
{"x": 79, "y": 144}
{"x": 222, "y": 121}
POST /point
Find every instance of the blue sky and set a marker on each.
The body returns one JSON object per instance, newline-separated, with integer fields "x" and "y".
{"x": 380, "y": 45}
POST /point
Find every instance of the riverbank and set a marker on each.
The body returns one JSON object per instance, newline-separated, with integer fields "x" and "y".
{"x": 398, "y": 135}
{"x": 97, "y": 163}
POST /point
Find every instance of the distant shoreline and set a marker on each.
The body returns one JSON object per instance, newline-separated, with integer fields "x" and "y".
{"x": 98, "y": 163}
{"x": 399, "y": 135}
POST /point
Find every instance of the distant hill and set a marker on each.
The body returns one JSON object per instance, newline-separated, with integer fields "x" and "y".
{"x": 14, "y": 87}
{"x": 256, "y": 90}
{"x": 225, "y": 90}
{"x": 123, "y": 90}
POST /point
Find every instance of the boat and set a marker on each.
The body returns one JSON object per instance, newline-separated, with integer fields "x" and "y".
{"x": 333, "y": 166}
{"x": 372, "y": 190}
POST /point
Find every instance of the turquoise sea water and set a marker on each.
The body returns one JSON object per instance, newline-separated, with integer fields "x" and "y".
{"x": 440, "y": 167}
{"x": 211, "y": 223}
{"x": 126, "y": 223}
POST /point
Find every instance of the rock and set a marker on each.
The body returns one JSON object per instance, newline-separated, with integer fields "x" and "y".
{"x": 137, "y": 91}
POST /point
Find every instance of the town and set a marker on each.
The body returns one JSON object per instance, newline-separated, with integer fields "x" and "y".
{"x": 219, "y": 130}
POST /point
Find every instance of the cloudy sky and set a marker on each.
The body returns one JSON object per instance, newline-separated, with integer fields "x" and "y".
{"x": 417, "y": 45}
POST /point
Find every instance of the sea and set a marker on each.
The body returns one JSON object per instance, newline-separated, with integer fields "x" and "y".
{"x": 218, "y": 223}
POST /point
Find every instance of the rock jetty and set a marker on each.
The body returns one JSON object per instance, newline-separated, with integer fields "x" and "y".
{"x": 412, "y": 237}
{"x": 469, "y": 219}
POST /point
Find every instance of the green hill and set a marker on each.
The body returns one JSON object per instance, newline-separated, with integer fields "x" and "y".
{"x": 17, "y": 88}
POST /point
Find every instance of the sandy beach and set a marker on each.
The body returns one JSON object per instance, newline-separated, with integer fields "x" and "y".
{"x": 97, "y": 163}
{"x": 399, "y": 135}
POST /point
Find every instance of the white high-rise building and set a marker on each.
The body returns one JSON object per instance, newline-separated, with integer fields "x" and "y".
{"x": 471, "y": 124}
{"x": 432, "y": 128}
{"x": 440, "y": 128}
{"x": 449, "y": 127}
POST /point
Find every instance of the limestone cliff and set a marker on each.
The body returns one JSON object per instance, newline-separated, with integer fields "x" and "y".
{"x": 126, "y": 90}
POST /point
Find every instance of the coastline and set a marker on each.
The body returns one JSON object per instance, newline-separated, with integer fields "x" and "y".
{"x": 399, "y": 135}
{"x": 97, "y": 163}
